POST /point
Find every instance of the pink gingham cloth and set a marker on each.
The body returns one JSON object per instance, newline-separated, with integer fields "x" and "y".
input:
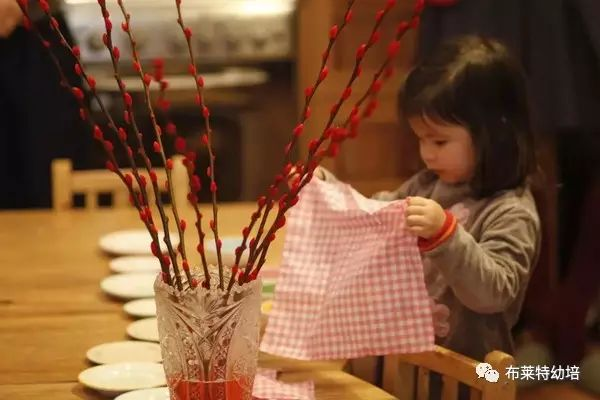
{"x": 351, "y": 282}
{"x": 267, "y": 387}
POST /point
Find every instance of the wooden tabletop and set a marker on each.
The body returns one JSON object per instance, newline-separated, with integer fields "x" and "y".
{"x": 52, "y": 310}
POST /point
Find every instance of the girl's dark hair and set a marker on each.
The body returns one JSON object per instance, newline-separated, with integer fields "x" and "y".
{"x": 474, "y": 82}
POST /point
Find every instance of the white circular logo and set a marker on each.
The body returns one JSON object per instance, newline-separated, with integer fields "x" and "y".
{"x": 482, "y": 368}
{"x": 485, "y": 370}
{"x": 491, "y": 375}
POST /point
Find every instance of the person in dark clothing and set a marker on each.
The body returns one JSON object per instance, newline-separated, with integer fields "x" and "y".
{"x": 39, "y": 119}
{"x": 558, "y": 42}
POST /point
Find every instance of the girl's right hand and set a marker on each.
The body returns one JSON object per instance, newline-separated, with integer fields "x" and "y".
{"x": 318, "y": 173}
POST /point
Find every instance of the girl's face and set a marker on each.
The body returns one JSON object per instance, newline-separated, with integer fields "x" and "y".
{"x": 446, "y": 149}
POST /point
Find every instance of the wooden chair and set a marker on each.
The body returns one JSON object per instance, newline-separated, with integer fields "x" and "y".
{"x": 399, "y": 375}
{"x": 67, "y": 182}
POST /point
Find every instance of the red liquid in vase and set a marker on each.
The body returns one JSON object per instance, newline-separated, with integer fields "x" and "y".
{"x": 210, "y": 390}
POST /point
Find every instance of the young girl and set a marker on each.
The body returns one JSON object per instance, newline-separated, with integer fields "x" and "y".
{"x": 471, "y": 208}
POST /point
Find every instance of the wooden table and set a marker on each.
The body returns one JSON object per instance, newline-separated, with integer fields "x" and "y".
{"x": 52, "y": 309}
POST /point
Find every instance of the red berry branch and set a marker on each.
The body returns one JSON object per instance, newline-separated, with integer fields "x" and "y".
{"x": 330, "y": 139}
{"x": 386, "y": 69}
{"x": 336, "y": 135}
{"x": 206, "y": 140}
{"x": 189, "y": 162}
{"x": 141, "y": 201}
{"x": 309, "y": 93}
{"x": 130, "y": 120}
{"x": 265, "y": 203}
{"x": 158, "y": 147}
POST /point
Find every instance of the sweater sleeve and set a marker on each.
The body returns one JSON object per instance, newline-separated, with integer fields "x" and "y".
{"x": 489, "y": 275}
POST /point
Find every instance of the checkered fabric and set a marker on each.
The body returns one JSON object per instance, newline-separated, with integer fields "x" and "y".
{"x": 267, "y": 387}
{"x": 351, "y": 281}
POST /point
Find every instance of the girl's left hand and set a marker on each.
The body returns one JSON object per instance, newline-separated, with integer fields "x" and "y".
{"x": 424, "y": 217}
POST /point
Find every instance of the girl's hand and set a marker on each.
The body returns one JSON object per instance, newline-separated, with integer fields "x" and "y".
{"x": 318, "y": 173}
{"x": 424, "y": 217}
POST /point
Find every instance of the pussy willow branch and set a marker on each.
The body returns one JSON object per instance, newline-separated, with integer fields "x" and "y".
{"x": 131, "y": 122}
{"x": 373, "y": 39}
{"x": 190, "y": 167}
{"x": 199, "y": 82}
{"x": 146, "y": 80}
{"x": 140, "y": 203}
{"x": 315, "y": 157}
{"x": 384, "y": 69}
{"x": 266, "y": 202}
{"x": 309, "y": 92}
{"x": 189, "y": 163}
{"x": 362, "y": 50}
{"x": 314, "y": 145}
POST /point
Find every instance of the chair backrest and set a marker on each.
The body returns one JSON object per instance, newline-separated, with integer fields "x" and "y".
{"x": 67, "y": 183}
{"x": 399, "y": 375}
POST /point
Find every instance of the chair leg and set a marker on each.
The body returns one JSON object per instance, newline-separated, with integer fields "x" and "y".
{"x": 61, "y": 184}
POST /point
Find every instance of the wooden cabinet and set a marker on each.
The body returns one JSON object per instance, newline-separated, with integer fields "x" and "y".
{"x": 384, "y": 153}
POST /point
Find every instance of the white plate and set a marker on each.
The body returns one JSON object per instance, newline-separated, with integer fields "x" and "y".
{"x": 129, "y": 286}
{"x": 146, "y": 394}
{"x": 144, "y": 329}
{"x": 228, "y": 246}
{"x": 142, "y": 308}
{"x": 126, "y": 351}
{"x": 127, "y": 264}
{"x": 132, "y": 242}
{"x": 113, "y": 379}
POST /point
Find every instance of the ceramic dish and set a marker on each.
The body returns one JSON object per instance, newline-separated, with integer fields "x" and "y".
{"x": 113, "y": 379}
{"x": 130, "y": 264}
{"x": 126, "y": 351}
{"x": 146, "y": 394}
{"x": 132, "y": 242}
{"x": 129, "y": 286}
{"x": 141, "y": 308}
{"x": 144, "y": 329}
